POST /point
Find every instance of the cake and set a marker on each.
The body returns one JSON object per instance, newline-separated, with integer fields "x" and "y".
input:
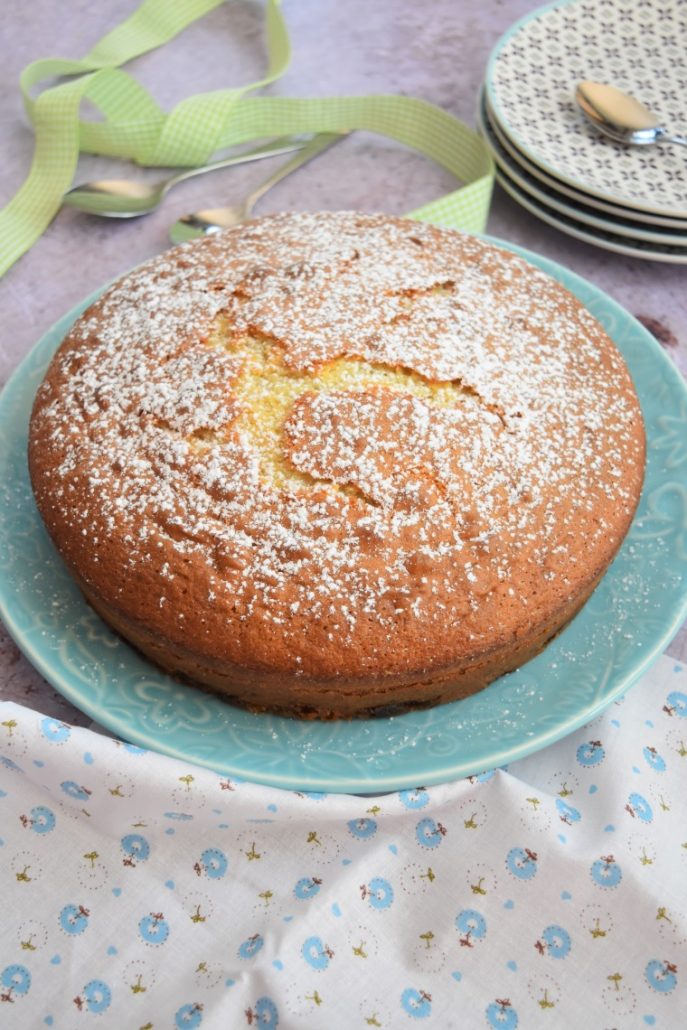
{"x": 333, "y": 465}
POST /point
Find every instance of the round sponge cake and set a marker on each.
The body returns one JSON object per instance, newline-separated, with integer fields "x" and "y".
{"x": 337, "y": 464}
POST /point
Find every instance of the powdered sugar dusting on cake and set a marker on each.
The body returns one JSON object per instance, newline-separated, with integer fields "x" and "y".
{"x": 431, "y": 417}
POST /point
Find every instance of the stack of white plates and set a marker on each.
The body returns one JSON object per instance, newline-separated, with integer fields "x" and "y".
{"x": 632, "y": 200}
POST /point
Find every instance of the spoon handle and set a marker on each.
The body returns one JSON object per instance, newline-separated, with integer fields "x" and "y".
{"x": 316, "y": 145}
{"x": 283, "y": 145}
{"x": 682, "y": 140}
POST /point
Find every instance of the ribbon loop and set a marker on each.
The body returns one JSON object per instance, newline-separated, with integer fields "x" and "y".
{"x": 136, "y": 128}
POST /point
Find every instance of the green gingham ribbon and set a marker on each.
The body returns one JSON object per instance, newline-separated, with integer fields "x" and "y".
{"x": 136, "y": 128}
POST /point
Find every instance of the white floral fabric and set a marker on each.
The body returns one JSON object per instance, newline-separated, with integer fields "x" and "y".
{"x": 141, "y": 892}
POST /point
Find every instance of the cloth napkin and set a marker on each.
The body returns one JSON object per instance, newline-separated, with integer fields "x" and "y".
{"x": 142, "y": 892}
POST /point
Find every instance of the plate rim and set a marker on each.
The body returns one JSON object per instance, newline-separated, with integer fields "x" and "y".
{"x": 523, "y": 145}
{"x": 355, "y": 783}
{"x": 585, "y": 233}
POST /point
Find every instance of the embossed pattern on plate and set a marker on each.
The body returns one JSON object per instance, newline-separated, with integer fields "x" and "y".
{"x": 639, "y": 47}
{"x": 628, "y": 621}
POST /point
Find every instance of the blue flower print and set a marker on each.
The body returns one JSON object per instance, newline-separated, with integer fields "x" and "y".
{"x": 606, "y": 872}
{"x": 362, "y": 829}
{"x": 136, "y": 847}
{"x": 378, "y": 892}
{"x": 677, "y": 704}
{"x": 251, "y": 946}
{"x": 522, "y": 863}
{"x": 638, "y": 806}
{"x": 557, "y": 941}
{"x": 97, "y": 995}
{"x": 661, "y": 976}
{"x": 501, "y": 1015}
{"x": 472, "y": 924}
{"x": 74, "y": 919}
{"x": 416, "y": 1003}
{"x": 188, "y": 1017}
{"x": 55, "y": 731}
{"x": 134, "y": 749}
{"x": 214, "y": 863}
{"x": 265, "y": 1014}
{"x": 590, "y": 753}
{"x": 73, "y": 790}
{"x": 306, "y": 888}
{"x": 316, "y": 954}
{"x": 567, "y": 813}
{"x": 429, "y": 834}
{"x": 15, "y": 979}
{"x": 41, "y": 819}
{"x": 416, "y": 798}
{"x": 153, "y": 928}
{"x": 654, "y": 759}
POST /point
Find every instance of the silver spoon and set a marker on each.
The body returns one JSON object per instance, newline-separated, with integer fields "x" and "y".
{"x": 212, "y": 220}
{"x": 621, "y": 117}
{"x": 126, "y": 198}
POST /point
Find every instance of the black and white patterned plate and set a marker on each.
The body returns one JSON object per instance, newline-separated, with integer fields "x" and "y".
{"x": 639, "y": 46}
{"x": 534, "y": 174}
{"x": 517, "y": 174}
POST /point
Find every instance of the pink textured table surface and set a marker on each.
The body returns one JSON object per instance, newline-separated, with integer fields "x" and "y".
{"x": 437, "y": 51}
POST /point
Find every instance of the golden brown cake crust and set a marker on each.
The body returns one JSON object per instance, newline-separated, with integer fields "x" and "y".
{"x": 334, "y": 463}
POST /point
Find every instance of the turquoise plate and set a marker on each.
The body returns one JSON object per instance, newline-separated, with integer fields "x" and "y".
{"x": 628, "y": 622}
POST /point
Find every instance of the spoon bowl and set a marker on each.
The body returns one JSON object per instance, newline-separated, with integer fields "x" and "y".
{"x": 206, "y": 222}
{"x": 212, "y": 220}
{"x": 621, "y": 117}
